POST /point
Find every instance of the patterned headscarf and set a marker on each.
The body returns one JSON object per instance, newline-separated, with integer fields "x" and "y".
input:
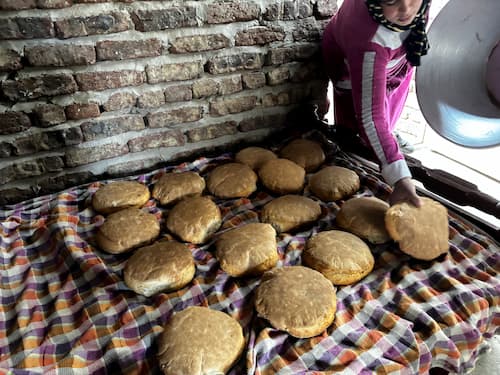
{"x": 416, "y": 44}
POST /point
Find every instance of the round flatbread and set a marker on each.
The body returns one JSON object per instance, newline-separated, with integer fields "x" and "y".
{"x": 421, "y": 232}
{"x": 365, "y": 217}
{"x": 282, "y": 176}
{"x": 304, "y": 152}
{"x": 342, "y": 257}
{"x": 232, "y": 180}
{"x": 127, "y": 229}
{"x": 174, "y": 186}
{"x": 199, "y": 340}
{"x": 247, "y": 250}
{"x": 296, "y": 299}
{"x": 254, "y": 157}
{"x": 333, "y": 183}
{"x": 194, "y": 219}
{"x": 164, "y": 266}
{"x": 119, "y": 195}
{"x": 290, "y": 212}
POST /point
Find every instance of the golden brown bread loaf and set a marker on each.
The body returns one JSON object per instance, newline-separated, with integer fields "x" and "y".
{"x": 365, "y": 217}
{"x": 127, "y": 229}
{"x": 333, "y": 183}
{"x": 198, "y": 341}
{"x": 247, "y": 250}
{"x": 254, "y": 157}
{"x": 290, "y": 212}
{"x": 421, "y": 232}
{"x": 194, "y": 219}
{"x": 119, "y": 195}
{"x": 282, "y": 176}
{"x": 296, "y": 299}
{"x": 161, "y": 267}
{"x": 232, "y": 180}
{"x": 342, "y": 257}
{"x": 304, "y": 152}
{"x": 172, "y": 187}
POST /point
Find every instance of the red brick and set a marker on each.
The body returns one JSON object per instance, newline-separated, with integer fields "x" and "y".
{"x": 9, "y": 60}
{"x": 199, "y": 43}
{"x": 120, "y": 100}
{"x": 54, "y": 4}
{"x": 259, "y": 35}
{"x": 232, "y": 11}
{"x": 17, "y": 4}
{"x": 173, "y": 17}
{"x": 99, "y": 81}
{"x": 82, "y": 155}
{"x": 49, "y": 115}
{"x": 113, "y": 22}
{"x": 169, "y": 138}
{"x": 60, "y": 55}
{"x": 174, "y": 72}
{"x": 27, "y": 28}
{"x": 128, "y": 49}
{"x": 13, "y": 122}
{"x": 174, "y": 116}
{"x": 79, "y": 111}
{"x": 38, "y": 86}
{"x": 150, "y": 99}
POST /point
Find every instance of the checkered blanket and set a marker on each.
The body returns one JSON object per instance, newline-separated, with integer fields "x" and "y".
{"x": 65, "y": 309}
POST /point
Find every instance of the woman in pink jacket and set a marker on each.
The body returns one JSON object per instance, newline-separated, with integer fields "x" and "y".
{"x": 370, "y": 48}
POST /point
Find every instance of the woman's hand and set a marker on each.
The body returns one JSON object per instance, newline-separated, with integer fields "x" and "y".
{"x": 404, "y": 191}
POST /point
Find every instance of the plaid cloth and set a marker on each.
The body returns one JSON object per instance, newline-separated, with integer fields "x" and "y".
{"x": 65, "y": 309}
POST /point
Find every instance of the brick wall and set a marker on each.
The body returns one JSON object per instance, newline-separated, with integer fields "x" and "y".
{"x": 93, "y": 88}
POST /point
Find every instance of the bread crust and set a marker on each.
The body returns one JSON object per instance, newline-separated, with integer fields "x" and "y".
{"x": 194, "y": 219}
{"x": 297, "y": 300}
{"x": 290, "y": 212}
{"x": 232, "y": 180}
{"x": 304, "y": 152}
{"x": 282, "y": 176}
{"x": 421, "y": 232}
{"x": 199, "y": 340}
{"x": 164, "y": 266}
{"x": 333, "y": 183}
{"x": 365, "y": 217}
{"x": 342, "y": 257}
{"x": 127, "y": 229}
{"x": 118, "y": 195}
{"x": 254, "y": 157}
{"x": 172, "y": 187}
{"x": 248, "y": 250}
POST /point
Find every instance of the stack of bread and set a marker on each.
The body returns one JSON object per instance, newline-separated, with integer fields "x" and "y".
{"x": 299, "y": 300}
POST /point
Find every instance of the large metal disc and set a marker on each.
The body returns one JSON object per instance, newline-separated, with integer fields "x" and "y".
{"x": 451, "y": 82}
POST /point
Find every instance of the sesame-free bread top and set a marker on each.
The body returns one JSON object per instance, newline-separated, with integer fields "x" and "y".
{"x": 194, "y": 219}
{"x": 161, "y": 267}
{"x": 247, "y": 250}
{"x": 365, "y": 217}
{"x": 127, "y": 229}
{"x": 199, "y": 340}
{"x": 342, "y": 257}
{"x": 173, "y": 186}
{"x": 118, "y": 195}
{"x": 304, "y": 152}
{"x": 296, "y": 299}
{"x": 421, "y": 232}
{"x": 254, "y": 156}
{"x": 333, "y": 183}
{"x": 282, "y": 176}
{"x": 232, "y": 180}
{"x": 290, "y": 212}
